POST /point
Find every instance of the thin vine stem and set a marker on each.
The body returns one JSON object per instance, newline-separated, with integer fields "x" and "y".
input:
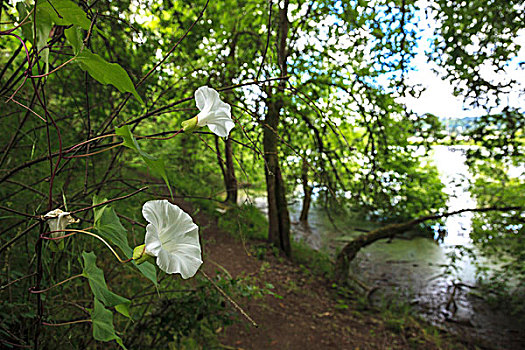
{"x": 28, "y": 108}
{"x": 56, "y": 285}
{"x": 54, "y": 70}
{"x": 64, "y": 323}
{"x": 75, "y": 231}
{"x": 160, "y": 138}
{"x": 93, "y": 153}
{"x": 88, "y": 141}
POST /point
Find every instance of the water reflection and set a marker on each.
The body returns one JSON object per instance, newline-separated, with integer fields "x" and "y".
{"x": 454, "y": 173}
{"x": 415, "y": 268}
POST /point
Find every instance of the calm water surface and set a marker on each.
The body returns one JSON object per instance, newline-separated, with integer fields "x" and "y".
{"x": 413, "y": 269}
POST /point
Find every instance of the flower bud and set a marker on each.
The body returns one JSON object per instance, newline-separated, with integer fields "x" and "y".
{"x": 190, "y": 124}
{"x": 140, "y": 256}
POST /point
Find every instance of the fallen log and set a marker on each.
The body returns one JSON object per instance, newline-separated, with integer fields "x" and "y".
{"x": 350, "y": 250}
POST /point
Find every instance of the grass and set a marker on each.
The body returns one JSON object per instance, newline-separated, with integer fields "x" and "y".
{"x": 247, "y": 223}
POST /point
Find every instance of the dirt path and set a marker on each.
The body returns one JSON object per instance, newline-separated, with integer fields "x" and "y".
{"x": 307, "y": 316}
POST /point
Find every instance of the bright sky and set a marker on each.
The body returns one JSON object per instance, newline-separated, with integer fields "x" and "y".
{"x": 438, "y": 98}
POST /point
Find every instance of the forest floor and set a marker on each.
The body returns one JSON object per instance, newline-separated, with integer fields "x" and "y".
{"x": 305, "y": 311}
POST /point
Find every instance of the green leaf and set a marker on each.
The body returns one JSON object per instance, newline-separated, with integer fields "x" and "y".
{"x": 96, "y": 211}
{"x": 60, "y": 12}
{"x": 102, "y": 320}
{"x": 108, "y": 226}
{"x": 64, "y": 13}
{"x": 148, "y": 270}
{"x": 156, "y": 166}
{"x": 98, "y": 285}
{"x": 27, "y": 28}
{"x": 43, "y": 28}
{"x": 44, "y": 24}
{"x": 123, "y": 309}
{"x": 128, "y": 138}
{"x": 105, "y": 72}
{"x": 75, "y": 38}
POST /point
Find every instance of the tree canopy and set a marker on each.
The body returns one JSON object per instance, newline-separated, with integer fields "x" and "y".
{"x": 94, "y": 94}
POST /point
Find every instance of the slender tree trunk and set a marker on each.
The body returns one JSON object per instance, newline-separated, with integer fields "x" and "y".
{"x": 278, "y": 216}
{"x": 307, "y": 193}
{"x": 228, "y": 172}
{"x": 230, "y": 181}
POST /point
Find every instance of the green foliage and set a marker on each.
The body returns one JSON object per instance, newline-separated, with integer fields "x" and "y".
{"x": 189, "y": 317}
{"x": 99, "y": 287}
{"x": 500, "y": 137}
{"x": 64, "y": 13}
{"x": 108, "y": 226}
{"x": 42, "y": 29}
{"x": 500, "y": 233}
{"x": 102, "y": 320}
{"x": 244, "y": 222}
{"x": 313, "y": 262}
{"x": 105, "y": 72}
{"x": 349, "y": 129}
{"x": 155, "y": 165}
{"x": 476, "y": 34}
{"x": 74, "y": 37}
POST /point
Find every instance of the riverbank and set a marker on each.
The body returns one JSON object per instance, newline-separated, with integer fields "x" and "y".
{"x": 300, "y": 307}
{"x": 439, "y": 279}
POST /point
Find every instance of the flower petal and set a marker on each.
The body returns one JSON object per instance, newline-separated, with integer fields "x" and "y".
{"x": 200, "y": 99}
{"x": 222, "y": 109}
{"x": 172, "y": 237}
{"x": 206, "y": 97}
{"x": 185, "y": 261}
{"x": 203, "y": 118}
{"x": 181, "y": 232}
{"x": 213, "y": 112}
{"x": 58, "y": 220}
{"x": 221, "y": 128}
{"x": 153, "y": 212}
{"x": 152, "y": 241}
{"x": 156, "y": 214}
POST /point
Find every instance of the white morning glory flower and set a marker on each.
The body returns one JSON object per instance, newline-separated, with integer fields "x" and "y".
{"x": 58, "y": 220}
{"x": 213, "y": 112}
{"x": 172, "y": 237}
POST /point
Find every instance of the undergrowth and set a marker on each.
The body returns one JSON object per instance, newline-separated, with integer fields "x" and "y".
{"x": 248, "y": 224}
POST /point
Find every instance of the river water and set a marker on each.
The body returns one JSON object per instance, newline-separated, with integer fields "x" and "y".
{"x": 413, "y": 270}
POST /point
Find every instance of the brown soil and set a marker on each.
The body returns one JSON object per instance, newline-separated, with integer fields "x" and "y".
{"x": 307, "y": 316}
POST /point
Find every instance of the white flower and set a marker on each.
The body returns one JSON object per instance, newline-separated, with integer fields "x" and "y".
{"x": 213, "y": 112}
{"x": 58, "y": 220}
{"x": 172, "y": 237}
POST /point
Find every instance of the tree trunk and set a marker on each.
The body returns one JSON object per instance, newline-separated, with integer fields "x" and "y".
{"x": 228, "y": 172}
{"x": 350, "y": 250}
{"x": 307, "y": 196}
{"x": 230, "y": 181}
{"x": 228, "y": 169}
{"x": 278, "y": 216}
